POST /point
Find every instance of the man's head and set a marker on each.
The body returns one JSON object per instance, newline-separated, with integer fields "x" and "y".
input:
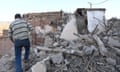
{"x": 17, "y": 16}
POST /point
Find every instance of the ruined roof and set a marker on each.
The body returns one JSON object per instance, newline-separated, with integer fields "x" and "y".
{"x": 45, "y": 13}
{"x": 91, "y": 9}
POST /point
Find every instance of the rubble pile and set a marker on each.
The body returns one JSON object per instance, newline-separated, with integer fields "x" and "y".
{"x": 89, "y": 53}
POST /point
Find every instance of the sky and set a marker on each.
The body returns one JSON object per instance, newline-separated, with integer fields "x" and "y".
{"x": 8, "y": 8}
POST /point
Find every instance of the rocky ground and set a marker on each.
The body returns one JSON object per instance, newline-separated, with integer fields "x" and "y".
{"x": 89, "y": 53}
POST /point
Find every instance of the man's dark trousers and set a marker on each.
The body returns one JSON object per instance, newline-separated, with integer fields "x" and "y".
{"x": 18, "y": 49}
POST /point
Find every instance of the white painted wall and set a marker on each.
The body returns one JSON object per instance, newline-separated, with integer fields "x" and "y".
{"x": 96, "y": 17}
{"x": 69, "y": 29}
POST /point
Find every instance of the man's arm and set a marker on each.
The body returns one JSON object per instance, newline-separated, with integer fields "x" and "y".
{"x": 10, "y": 33}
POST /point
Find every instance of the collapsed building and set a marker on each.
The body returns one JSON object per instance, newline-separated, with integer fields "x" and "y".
{"x": 94, "y": 49}
{"x": 41, "y": 20}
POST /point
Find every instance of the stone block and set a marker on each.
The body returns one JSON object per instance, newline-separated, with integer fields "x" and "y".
{"x": 39, "y": 67}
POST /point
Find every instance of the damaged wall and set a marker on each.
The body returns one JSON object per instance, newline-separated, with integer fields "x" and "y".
{"x": 96, "y": 17}
{"x": 70, "y": 29}
{"x": 5, "y": 45}
{"x": 43, "y": 19}
{"x": 88, "y": 18}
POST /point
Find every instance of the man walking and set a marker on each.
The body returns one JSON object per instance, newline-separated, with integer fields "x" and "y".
{"x": 19, "y": 31}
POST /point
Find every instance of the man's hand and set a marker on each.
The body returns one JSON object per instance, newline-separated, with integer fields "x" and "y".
{"x": 12, "y": 40}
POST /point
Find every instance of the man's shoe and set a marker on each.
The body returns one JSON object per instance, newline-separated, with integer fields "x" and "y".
{"x": 26, "y": 65}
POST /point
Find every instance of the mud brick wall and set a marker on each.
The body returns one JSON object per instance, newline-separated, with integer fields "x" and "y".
{"x": 36, "y": 19}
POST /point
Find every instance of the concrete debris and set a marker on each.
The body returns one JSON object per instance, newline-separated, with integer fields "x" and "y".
{"x": 118, "y": 67}
{"x": 48, "y": 41}
{"x": 87, "y": 53}
{"x": 57, "y": 58}
{"x": 39, "y": 67}
{"x": 113, "y": 42}
{"x": 111, "y": 61}
{"x": 7, "y": 64}
{"x": 88, "y": 50}
{"x": 101, "y": 46}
